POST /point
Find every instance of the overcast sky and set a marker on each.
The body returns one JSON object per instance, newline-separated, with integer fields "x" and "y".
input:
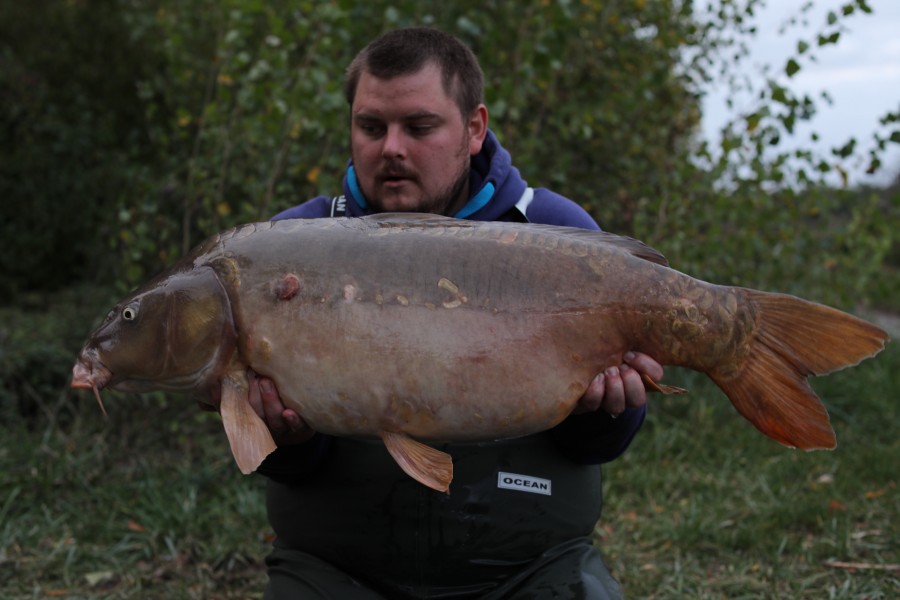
{"x": 861, "y": 73}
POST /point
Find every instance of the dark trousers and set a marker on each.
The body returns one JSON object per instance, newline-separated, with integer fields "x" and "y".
{"x": 573, "y": 570}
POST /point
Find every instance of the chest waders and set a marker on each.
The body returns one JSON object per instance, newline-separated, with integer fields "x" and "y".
{"x": 518, "y": 522}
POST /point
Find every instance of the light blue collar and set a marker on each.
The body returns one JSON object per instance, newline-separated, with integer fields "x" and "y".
{"x": 475, "y": 203}
{"x": 354, "y": 188}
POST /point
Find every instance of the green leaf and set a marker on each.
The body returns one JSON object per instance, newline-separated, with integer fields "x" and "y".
{"x": 779, "y": 94}
{"x": 825, "y": 40}
{"x": 845, "y": 150}
{"x": 874, "y": 165}
{"x": 791, "y": 68}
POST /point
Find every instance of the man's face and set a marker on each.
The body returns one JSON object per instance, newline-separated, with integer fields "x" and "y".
{"x": 410, "y": 144}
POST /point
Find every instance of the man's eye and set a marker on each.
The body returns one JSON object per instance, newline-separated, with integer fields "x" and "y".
{"x": 371, "y": 130}
{"x": 421, "y": 129}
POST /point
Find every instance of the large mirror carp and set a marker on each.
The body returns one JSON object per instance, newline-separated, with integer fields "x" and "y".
{"x": 414, "y": 328}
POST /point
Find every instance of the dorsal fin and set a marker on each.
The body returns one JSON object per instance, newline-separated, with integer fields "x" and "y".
{"x": 413, "y": 219}
{"x": 632, "y": 246}
{"x": 627, "y": 244}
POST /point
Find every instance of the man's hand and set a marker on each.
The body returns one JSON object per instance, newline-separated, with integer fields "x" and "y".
{"x": 619, "y": 388}
{"x": 284, "y": 423}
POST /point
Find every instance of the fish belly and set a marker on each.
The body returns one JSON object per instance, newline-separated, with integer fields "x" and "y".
{"x": 434, "y": 374}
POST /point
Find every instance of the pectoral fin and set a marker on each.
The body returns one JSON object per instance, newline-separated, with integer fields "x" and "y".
{"x": 653, "y": 386}
{"x": 423, "y": 463}
{"x": 248, "y": 435}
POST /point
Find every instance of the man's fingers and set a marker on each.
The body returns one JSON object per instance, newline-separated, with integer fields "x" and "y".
{"x": 614, "y": 399}
{"x": 286, "y": 425}
{"x": 593, "y": 396}
{"x": 293, "y": 420}
{"x": 254, "y": 396}
{"x": 635, "y": 395}
{"x": 644, "y": 364}
{"x": 271, "y": 404}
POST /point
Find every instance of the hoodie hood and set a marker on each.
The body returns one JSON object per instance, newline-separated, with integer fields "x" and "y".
{"x": 495, "y": 185}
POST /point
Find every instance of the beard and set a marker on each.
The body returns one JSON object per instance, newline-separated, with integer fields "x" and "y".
{"x": 445, "y": 201}
{"x": 449, "y": 198}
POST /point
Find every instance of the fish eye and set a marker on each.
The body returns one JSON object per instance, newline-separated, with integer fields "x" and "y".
{"x": 129, "y": 313}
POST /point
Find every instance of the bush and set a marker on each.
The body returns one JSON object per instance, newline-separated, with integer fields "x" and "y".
{"x": 39, "y": 342}
{"x": 72, "y": 129}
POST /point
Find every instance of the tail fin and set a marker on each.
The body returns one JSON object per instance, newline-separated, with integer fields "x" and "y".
{"x": 794, "y": 339}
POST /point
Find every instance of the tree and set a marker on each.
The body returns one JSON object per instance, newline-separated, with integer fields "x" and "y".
{"x": 71, "y": 127}
{"x": 208, "y": 114}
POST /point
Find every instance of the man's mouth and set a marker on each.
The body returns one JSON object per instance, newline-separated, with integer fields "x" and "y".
{"x": 394, "y": 179}
{"x": 393, "y": 176}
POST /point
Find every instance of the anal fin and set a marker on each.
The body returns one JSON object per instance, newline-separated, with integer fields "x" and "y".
{"x": 423, "y": 463}
{"x": 248, "y": 435}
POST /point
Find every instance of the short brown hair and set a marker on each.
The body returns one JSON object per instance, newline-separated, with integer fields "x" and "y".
{"x": 406, "y": 51}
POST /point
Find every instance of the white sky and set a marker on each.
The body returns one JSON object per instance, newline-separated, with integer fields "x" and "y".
{"x": 861, "y": 73}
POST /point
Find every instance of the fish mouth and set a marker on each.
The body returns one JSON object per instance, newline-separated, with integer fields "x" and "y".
{"x": 90, "y": 374}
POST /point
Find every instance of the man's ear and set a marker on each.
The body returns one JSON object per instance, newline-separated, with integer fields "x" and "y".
{"x": 477, "y": 125}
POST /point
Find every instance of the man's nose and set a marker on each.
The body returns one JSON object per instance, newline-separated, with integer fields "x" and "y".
{"x": 393, "y": 145}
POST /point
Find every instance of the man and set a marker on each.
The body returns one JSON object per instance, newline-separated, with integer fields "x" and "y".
{"x": 519, "y": 518}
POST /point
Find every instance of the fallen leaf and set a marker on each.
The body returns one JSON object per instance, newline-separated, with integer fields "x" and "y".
{"x": 98, "y": 577}
{"x": 858, "y": 535}
{"x": 837, "y": 564}
{"x": 135, "y": 526}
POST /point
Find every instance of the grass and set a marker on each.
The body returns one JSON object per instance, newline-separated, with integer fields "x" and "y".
{"x": 148, "y": 503}
{"x": 702, "y": 506}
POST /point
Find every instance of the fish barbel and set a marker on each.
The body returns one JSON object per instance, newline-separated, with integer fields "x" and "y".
{"x": 419, "y": 328}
